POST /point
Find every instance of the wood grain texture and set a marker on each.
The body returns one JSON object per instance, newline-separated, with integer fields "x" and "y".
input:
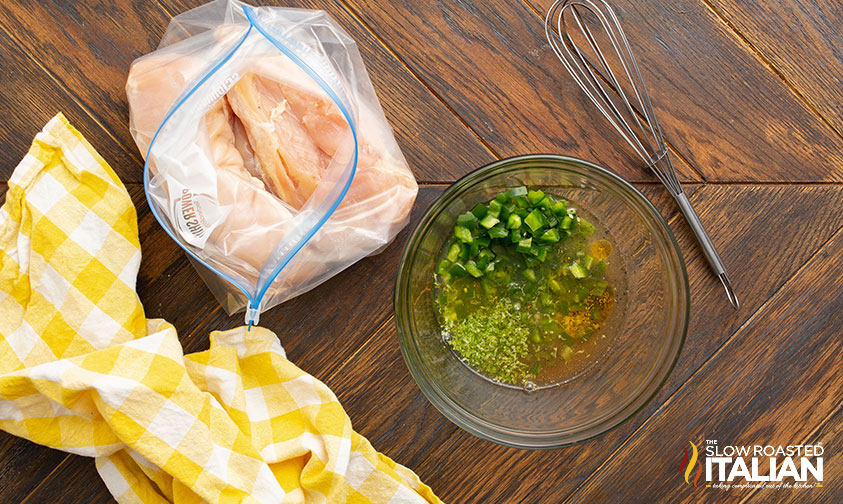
{"x": 490, "y": 62}
{"x": 384, "y": 403}
{"x": 87, "y": 47}
{"x": 30, "y": 98}
{"x": 802, "y": 40}
{"x": 722, "y": 107}
{"x": 760, "y": 271}
{"x": 23, "y": 466}
{"x": 75, "y": 480}
{"x": 785, "y": 384}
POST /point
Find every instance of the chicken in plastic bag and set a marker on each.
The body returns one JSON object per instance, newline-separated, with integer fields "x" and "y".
{"x": 268, "y": 157}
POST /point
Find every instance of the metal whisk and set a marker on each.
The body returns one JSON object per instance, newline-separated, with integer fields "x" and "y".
{"x": 590, "y": 67}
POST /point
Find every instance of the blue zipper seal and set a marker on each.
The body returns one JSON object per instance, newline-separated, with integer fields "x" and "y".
{"x": 254, "y": 302}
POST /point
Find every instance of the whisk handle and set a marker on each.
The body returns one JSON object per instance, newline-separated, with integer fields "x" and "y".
{"x": 707, "y": 245}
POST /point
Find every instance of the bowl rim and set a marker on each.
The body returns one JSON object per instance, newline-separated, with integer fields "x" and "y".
{"x": 536, "y": 440}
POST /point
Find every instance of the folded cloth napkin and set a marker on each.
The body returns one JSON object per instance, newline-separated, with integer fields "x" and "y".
{"x": 82, "y": 369}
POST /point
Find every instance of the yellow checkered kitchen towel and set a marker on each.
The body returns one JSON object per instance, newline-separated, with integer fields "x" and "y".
{"x": 82, "y": 370}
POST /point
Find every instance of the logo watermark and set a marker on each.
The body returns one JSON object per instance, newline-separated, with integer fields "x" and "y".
{"x": 732, "y": 466}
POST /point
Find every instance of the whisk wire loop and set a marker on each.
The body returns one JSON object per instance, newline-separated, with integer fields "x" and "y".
{"x": 622, "y": 98}
{"x": 611, "y": 99}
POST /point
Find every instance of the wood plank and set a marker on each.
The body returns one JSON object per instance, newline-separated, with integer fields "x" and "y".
{"x": 830, "y": 436}
{"x": 758, "y": 270}
{"x": 87, "y": 47}
{"x": 384, "y": 403}
{"x": 437, "y": 145}
{"x": 31, "y": 98}
{"x": 803, "y": 42}
{"x": 23, "y": 465}
{"x": 719, "y": 105}
{"x": 785, "y": 383}
{"x": 490, "y": 62}
{"x": 75, "y": 480}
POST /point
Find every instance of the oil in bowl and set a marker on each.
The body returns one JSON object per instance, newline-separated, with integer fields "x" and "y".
{"x": 528, "y": 289}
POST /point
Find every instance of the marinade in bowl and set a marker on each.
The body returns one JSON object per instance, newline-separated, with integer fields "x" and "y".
{"x": 565, "y": 401}
{"x": 528, "y": 289}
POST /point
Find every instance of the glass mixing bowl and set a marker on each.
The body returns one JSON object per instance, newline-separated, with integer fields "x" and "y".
{"x": 645, "y": 343}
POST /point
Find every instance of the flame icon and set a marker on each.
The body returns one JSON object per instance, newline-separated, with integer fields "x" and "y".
{"x": 687, "y": 466}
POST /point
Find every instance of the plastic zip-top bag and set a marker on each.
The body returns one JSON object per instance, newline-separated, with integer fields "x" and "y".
{"x": 268, "y": 157}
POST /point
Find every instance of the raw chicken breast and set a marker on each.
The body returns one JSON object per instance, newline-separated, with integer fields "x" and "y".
{"x": 289, "y": 159}
{"x": 264, "y": 146}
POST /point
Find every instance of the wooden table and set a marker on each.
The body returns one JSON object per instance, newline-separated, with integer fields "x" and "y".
{"x": 749, "y": 95}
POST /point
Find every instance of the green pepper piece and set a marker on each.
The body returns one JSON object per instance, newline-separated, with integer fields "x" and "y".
{"x": 457, "y": 270}
{"x": 480, "y": 210}
{"x": 482, "y": 262}
{"x": 566, "y": 222}
{"x": 588, "y": 261}
{"x": 473, "y": 270}
{"x": 535, "y": 197}
{"x": 541, "y": 255}
{"x": 489, "y": 267}
{"x": 454, "y": 252}
{"x": 554, "y": 286}
{"x": 521, "y": 201}
{"x": 513, "y": 222}
{"x": 535, "y": 220}
{"x": 494, "y": 208}
{"x": 524, "y": 245}
{"x": 507, "y": 210}
{"x": 517, "y": 191}
{"x": 529, "y": 275}
{"x": 465, "y": 251}
{"x": 463, "y": 234}
{"x": 466, "y": 220}
{"x": 473, "y": 249}
{"x": 514, "y": 236}
{"x": 552, "y": 221}
{"x": 577, "y": 270}
{"x": 559, "y": 208}
{"x": 443, "y": 266}
{"x": 501, "y": 198}
{"x": 489, "y": 221}
{"x": 549, "y": 236}
{"x": 483, "y": 241}
{"x": 498, "y": 231}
